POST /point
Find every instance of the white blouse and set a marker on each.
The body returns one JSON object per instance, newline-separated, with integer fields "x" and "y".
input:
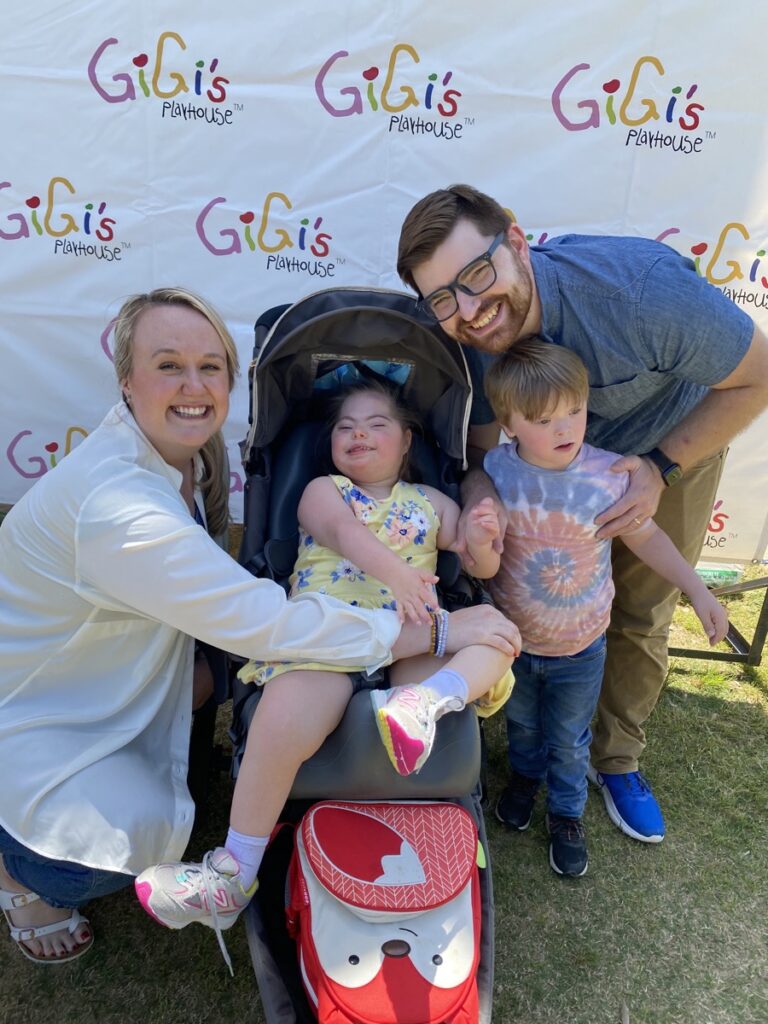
{"x": 104, "y": 579}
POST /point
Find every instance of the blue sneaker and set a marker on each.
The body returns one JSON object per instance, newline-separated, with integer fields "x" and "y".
{"x": 631, "y": 805}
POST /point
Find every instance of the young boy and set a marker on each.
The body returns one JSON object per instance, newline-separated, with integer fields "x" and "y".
{"x": 554, "y": 582}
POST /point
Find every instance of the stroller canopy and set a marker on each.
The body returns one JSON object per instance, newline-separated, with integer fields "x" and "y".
{"x": 301, "y": 355}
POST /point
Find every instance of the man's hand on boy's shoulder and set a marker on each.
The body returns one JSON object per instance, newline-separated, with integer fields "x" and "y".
{"x": 638, "y": 503}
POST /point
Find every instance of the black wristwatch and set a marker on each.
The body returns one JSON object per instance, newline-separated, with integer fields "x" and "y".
{"x": 670, "y": 471}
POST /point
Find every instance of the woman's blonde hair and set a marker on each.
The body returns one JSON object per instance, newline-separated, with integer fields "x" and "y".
{"x": 532, "y": 376}
{"x": 215, "y": 481}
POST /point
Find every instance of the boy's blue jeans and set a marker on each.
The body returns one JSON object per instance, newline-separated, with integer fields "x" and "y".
{"x": 60, "y": 883}
{"x": 548, "y": 716}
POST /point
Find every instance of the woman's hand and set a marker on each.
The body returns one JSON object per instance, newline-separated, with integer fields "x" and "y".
{"x": 482, "y": 624}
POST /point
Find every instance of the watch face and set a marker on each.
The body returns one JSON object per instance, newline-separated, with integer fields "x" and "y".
{"x": 670, "y": 471}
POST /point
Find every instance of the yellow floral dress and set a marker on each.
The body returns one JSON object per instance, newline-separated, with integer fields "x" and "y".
{"x": 406, "y": 521}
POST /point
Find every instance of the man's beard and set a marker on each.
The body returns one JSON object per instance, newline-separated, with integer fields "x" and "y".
{"x": 515, "y": 306}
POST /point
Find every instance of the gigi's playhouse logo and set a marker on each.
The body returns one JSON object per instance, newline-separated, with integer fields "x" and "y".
{"x": 717, "y": 533}
{"x": 414, "y": 106}
{"x": 668, "y": 123}
{"x": 31, "y": 460}
{"x": 189, "y": 89}
{"x": 91, "y": 221}
{"x": 745, "y": 280}
{"x": 226, "y": 233}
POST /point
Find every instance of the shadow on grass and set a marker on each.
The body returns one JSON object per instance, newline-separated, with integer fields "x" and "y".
{"x": 716, "y": 678}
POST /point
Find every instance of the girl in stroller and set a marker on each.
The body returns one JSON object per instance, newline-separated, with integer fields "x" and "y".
{"x": 381, "y": 537}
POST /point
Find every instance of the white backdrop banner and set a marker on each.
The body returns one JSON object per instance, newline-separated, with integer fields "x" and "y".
{"x": 256, "y": 152}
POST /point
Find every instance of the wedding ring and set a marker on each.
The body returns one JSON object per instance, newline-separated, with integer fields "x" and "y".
{"x": 638, "y": 520}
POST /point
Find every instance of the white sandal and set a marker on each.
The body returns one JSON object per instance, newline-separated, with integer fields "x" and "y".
{"x": 10, "y": 901}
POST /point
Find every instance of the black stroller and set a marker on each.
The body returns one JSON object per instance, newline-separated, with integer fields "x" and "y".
{"x": 302, "y": 353}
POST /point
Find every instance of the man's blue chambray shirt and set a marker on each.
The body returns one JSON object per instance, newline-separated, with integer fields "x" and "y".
{"x": 654, "y": 334}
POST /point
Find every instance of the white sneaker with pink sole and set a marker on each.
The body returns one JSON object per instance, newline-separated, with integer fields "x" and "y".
{"x": 406, "y": 716}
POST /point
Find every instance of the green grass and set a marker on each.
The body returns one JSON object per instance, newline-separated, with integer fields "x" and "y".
{"x": 671, "y": 934}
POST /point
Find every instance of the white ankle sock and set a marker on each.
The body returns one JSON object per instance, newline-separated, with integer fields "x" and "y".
{"x": 248, "y": 852}
{"x": 450, "y": 690}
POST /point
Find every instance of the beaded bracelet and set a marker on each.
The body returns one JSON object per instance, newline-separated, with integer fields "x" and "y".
{"x": 440, "y": 619}
{"x": 433, "y": 633}
{"x": 443, "y": 638}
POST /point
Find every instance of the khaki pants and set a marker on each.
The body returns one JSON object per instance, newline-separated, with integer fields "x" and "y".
{"x": 636, "y": 664}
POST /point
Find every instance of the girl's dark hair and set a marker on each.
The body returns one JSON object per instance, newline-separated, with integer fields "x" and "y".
{"x": 407, "y": 419}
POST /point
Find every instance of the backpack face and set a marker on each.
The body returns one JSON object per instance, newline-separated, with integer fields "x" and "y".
{"x": 385, "y": 909}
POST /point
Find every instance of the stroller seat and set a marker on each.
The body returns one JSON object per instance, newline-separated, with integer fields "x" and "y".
{"x": 352, "y": 763}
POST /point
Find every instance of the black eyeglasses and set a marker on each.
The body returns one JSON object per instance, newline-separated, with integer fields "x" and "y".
{"x": 476, "y": 278}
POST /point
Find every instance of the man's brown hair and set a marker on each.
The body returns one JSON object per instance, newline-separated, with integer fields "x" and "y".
{"x": 434, "y": 217}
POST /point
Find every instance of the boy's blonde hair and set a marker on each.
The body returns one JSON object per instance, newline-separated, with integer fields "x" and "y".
{"x": 532, "y": 377}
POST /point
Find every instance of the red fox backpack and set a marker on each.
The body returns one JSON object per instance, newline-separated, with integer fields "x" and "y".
{"x": 394, "y": 887}
{"x": 385, "y": 910}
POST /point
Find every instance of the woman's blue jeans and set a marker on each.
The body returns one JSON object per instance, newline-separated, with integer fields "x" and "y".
{"x": 59, "y": 882}
{"x": 548, "y": 717}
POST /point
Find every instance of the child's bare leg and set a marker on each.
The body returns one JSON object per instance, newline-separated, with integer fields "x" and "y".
{"x": 295, "y": 714}
{"x": 479, "y": 665}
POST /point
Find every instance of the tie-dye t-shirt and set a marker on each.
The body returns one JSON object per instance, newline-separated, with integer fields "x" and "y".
{"x": 554, "y": 581}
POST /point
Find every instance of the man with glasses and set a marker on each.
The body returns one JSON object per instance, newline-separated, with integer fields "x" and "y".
{"x": 675, "y": 371}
